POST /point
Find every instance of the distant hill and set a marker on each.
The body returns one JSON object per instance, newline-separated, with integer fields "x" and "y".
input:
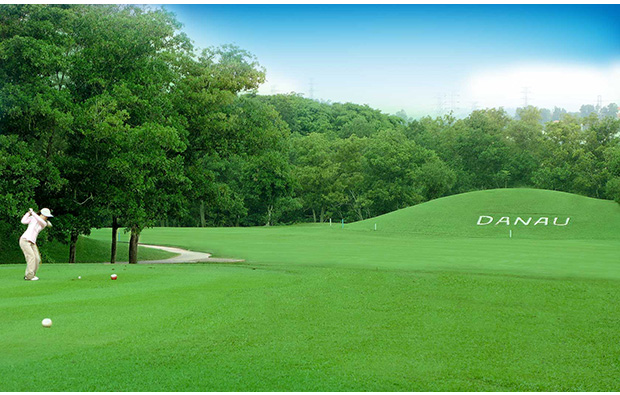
{"x": 528, "y": 213}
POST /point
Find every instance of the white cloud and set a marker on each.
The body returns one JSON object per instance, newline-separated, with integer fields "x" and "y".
{"x": 568, "y": 86}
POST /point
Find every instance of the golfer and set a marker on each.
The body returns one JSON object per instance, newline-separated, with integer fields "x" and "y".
{"x": 28, "y": 241}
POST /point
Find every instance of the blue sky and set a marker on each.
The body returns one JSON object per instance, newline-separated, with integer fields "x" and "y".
{"x": 424, "y": 58}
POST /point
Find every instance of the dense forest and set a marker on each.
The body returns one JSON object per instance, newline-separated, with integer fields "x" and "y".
{"x": 112, "y": 118}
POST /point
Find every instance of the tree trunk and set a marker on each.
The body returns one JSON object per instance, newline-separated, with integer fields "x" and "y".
{"x": 359, "y": 213}
{"x": 114, "y": 238}
{"x": 314, "y": 215}
{"x": 72, "y": 245}
{"x": 133, "y": 245}
{"x": 269, "y": 212}
{"x": 322, "y": 217}
{"x": 203, "y": 223}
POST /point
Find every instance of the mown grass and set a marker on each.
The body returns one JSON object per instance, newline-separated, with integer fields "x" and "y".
{"x": 222, "y": 328}
{"x": 319, "y": 308}
{"x": 334, "y": 247}
{"x": 457, "y": 216}
{"x": 88, "y": 250}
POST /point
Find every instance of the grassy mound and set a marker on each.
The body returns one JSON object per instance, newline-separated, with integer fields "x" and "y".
{"x": 576, "y": 217}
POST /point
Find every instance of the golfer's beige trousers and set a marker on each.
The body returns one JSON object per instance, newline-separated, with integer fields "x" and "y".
{"x": 33, "y": 258}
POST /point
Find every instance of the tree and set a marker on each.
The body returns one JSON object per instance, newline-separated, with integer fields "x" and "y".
{"x": 362, "y": 121}
{"x": 586, "y": 110}
{"x": 611, "y": 111}
{"x": 303, "y": 116}
{"x": 392, "y": 168}
{"x": 428, "y": 131}
{"x": 315, "y": 171}
{"x": 558, "y": 114}
{"x": 529, "y": 114}
{"x": 215, "y": 117}
{"x": 36, "y": 44}
{"x": 268, "y": 187}
{"x": 434, "y": 178}
{"x": 126, "y": 74}
{"x": 545, "y": 115}
{"x": 403, "y": 115}
{"x": 612, "y": 162}
{"x": 476, "y": 149}
{"x": 574, "y": 156}
{"x": 19, "y": 177}
{"x": 524, "y": 139}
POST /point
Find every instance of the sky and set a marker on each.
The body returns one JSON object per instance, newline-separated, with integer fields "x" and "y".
{"x": 424, "y": 59}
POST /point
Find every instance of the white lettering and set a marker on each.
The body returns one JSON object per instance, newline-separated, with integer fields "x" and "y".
{"x": 546, "y": 221}
{"x": 487, "y": 220}
{"x": 484, "y": 216}
{"x": 504, "y": 220}
{"x": 524, "y": 223}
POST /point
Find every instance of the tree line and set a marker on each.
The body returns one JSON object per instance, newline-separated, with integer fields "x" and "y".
{"x": 111, "y": 116}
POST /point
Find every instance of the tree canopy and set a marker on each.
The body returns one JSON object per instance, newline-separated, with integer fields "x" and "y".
{"x": 111, "y": 117}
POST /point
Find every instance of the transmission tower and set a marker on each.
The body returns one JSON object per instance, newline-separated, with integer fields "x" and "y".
{"x": 526, "y": 92}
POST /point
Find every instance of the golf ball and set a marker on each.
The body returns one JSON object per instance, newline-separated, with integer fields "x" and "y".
{"x": 46, "y": 322}
{"x": 113, "y": 277}
{"x": 79, "y": 277}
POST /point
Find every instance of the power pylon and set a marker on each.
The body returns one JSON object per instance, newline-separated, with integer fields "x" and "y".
{"x": 526, "y": 92}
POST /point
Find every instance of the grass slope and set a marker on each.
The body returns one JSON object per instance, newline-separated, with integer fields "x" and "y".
{"x": 319, "y": 308}
{"x": 458, "y": 215}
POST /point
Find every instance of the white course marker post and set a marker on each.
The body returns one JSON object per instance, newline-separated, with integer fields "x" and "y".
{"x": 375, "y": 226}
{"x": 330, "y": 222}
{"x": 510, "y": 233}
{"x": 343, "y": 223}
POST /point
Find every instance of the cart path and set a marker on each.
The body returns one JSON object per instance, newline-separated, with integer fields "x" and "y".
{"x": 186, "y": 256}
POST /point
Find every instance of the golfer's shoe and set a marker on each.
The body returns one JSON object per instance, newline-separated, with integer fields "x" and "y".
{"x": 35, "y": 278}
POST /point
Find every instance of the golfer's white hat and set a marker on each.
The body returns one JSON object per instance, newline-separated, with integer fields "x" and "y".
{"x": 46, "y": 212}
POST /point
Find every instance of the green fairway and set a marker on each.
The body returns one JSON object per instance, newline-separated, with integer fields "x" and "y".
{"x": 326, "y": 308}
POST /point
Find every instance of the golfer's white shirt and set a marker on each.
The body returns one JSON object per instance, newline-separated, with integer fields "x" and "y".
{"x": 36, "y": 224}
